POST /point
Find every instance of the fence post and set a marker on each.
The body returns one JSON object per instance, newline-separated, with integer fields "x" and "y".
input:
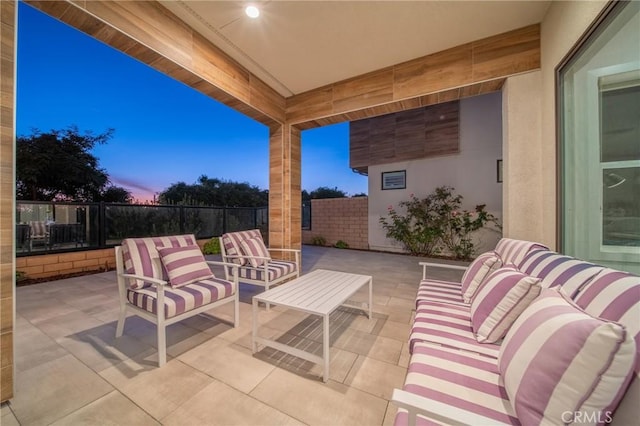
{"x": 102, "y": 225}
{"x": 182, "y": 219}
{"x": 224, "y": 220}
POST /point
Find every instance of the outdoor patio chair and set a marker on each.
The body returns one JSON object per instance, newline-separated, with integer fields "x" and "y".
{"x": 170, "y": 272}
{"x": 256, "y": 266}
{"x": 23, "y": 237}
{"x": 39, "y": 233}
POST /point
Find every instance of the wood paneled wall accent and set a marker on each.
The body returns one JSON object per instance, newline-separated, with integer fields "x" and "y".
{"x": 407, "y": 135}
{"x": 150, "y": 33}
{"x": 7, "y": 198}
{"x": 493, "y": 58}
{"x": 285, "y": 196}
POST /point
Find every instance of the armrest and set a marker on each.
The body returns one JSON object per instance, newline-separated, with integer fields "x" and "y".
{"x": 284, "y": 249}
{"x": 151, "y": 280}
{"x": 439, "y": 265}
{"x": 435, "y": 410}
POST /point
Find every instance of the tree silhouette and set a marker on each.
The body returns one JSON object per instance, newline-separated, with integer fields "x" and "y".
{"x": 215, "y": 192}
{"x": 58, "y": 166}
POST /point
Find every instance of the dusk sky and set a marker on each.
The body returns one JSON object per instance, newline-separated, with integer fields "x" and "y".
{"x": 165, "y": 132}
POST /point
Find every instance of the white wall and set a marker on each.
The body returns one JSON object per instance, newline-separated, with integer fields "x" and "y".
{"x": 472, "y": 172}
{"x": 530, "y": 209}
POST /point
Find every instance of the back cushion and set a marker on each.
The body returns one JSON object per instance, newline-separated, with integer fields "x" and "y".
{"x": 479, "y": 269}
{"x": 232, "y": 243}
{"x": 558, "y": 360}
{"x": 615, "y": 296}
{"x": 141, "y": 256}
{"x": 504, "y": 295}
{"x": 513, "y": 251}
{"x": 558, "y": 270}
{"x": 255, "y": 248}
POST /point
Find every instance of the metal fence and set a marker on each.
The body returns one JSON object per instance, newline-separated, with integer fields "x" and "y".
{"x": 53, "y": 226}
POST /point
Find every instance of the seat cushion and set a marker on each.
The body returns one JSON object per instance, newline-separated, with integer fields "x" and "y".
{"x": 276, "y": 269}
{"x": 557, "y": 359}
{"x": 183, "y": 299}
{"x": 558, "y": 270}
{"x": 477, "y": 271}
{"x": 440, "y": 291}
{"x": 504, "y": 295}
{"x": 141, "y": 256}
{"x": 184, "y": 265}
{"x": 447, "y": 325}
{"x": 231, "y": 242}
{"x": 463, "y": 380}
{"x": 256, "y": 250}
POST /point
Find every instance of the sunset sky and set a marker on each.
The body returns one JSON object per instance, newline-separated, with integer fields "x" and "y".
{"x": 165, "y": 132}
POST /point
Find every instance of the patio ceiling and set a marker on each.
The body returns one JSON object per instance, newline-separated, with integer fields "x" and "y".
{"x": 297, "y": 46}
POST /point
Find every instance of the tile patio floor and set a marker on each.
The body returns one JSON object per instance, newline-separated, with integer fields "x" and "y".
{"x": 70, "y": 369}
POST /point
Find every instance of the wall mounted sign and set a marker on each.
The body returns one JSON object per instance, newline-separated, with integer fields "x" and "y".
{"x": 394, "y": 180}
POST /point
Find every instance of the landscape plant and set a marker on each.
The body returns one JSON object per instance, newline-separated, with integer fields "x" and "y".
{"x": 318, "y": 240}
{"x": 436, "y": 225}
{"x": 341, "y": 244}
{"x": 212, "y": 246}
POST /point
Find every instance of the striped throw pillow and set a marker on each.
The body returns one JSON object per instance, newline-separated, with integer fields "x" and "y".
{"x": 504, "y": 295}
{"x": 557, "y": 361}
{"x": 184, "y": 265}
{"x": 479, "y": 269}
{"x": 254, "y": 247}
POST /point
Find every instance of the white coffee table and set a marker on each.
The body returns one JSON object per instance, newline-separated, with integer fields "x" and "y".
{"x": 320, "y": 293}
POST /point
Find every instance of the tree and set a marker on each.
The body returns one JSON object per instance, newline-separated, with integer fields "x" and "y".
{"x": 215, "y": 192}
{"x": 58, "y": 166}
{"x": 326, "y": 192}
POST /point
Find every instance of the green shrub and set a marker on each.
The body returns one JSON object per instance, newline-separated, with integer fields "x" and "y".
{"x": 436, "y": 224}
{"x": 341, "y": 244}
{"x": 20, "y": 276}
{"x": 318, "y": 241}
{"x": 212, "y": 246}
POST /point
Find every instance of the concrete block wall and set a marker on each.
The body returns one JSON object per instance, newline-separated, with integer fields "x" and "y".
{"x": 343, "y": 219}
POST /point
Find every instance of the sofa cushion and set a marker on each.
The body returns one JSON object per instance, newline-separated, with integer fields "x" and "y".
{"x": 275, "y": 269}
{"x": 440, "y": 291}
{"x": 447, "y": 325}
{"x": 557, "y": 359}
{"x": 184, "y": 265}
{"x": 477, "y": 271}
{"x": 558, "y": 270}
{"x": 183, "y": 299}
{"x": 464, "y": 380}
{"x": 231, "y": 242}
{"x": 254, "y": 247}
{"x": 504, "y": 295}
{"x": 513, "y": 251}
{"x": 141, "y": 256}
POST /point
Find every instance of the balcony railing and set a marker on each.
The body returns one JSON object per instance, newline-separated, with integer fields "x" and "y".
{"x": 55, "y": 226}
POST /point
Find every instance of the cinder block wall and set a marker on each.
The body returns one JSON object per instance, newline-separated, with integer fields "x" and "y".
{"x": 343, "y": 219}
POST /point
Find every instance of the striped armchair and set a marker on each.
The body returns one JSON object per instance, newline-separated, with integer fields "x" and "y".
{"x": 165, "y": 280}
{"x": 247, "y": 250}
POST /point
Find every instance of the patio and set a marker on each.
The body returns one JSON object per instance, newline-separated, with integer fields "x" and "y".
{"x": 70, "y": 369}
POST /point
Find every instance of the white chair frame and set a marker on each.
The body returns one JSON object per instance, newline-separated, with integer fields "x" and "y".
{"x": 159, "y": 319}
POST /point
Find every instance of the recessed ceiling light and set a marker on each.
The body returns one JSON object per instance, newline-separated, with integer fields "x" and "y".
{"x": 252, "y": 11}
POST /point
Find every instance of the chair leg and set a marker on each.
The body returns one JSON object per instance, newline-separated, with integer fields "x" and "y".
{"x": 236, "y": 310}
{"x": 162, "y": 345}
{"x": 121, "y": 319}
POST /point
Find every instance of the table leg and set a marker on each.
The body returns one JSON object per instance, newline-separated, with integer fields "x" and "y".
{"x": 325, "y": 348}
{"x": 370, "y": 296}
{"x": 254, "y": 326}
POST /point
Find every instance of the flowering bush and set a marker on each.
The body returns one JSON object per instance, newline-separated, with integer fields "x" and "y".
{"x": 436, "y": 225}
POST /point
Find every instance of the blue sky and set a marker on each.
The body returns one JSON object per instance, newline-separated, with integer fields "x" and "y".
{"x": 165, "y": 132}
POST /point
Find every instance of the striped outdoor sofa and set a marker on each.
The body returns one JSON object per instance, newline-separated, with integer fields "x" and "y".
{"x": 247, "y": 250}
{"x": 165, "y": 280}
{"x": 453, "y": 378}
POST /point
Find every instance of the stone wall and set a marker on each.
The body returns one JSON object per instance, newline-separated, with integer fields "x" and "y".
{"x": 343, "y": 219}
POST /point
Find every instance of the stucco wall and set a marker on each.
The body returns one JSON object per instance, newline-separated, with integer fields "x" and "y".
{"x": 472, "y": 172}
{"x": 339, "y": 219}
{"x": 529, "y": 127}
